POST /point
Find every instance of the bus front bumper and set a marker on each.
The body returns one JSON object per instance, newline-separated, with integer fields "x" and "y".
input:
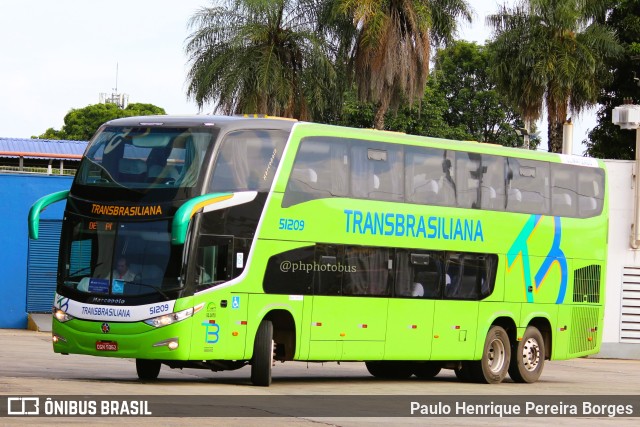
{"x": 125, "y": 340}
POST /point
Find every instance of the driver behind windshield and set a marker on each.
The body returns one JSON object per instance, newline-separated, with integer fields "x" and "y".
{"x": 122, "y": 271}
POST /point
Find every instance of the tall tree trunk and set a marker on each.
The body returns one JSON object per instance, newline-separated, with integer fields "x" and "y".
{"x": 555, "y": 135}
{"x": 555, "y": 120}
{"x": 383, "y": 107}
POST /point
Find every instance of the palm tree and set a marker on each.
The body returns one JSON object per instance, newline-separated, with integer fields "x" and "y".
{"x": 393, "y": 45}
{"x": 552, "y": 53}
{"x": 259, "y": 56}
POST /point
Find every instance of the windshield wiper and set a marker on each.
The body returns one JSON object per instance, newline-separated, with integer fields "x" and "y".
{"x": 107, "y": 178}
{"x": 75, "y": 273}
{"x": 155, "y": 288}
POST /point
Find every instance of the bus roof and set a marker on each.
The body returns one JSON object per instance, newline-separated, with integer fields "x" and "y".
{"x": 251, "y": 121}
{"x": 223, "y": 122}
{"x": 448, "y": 144}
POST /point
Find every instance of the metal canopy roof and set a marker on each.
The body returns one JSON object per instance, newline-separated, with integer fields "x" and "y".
{"x": 42, "y": 148}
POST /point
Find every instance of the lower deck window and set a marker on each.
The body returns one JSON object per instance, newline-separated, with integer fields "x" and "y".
{"x": 350, "y": 270}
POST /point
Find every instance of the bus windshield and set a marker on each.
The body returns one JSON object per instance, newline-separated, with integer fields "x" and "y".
{"x": 145, "y": 157}
{"x": 119, "y": 258}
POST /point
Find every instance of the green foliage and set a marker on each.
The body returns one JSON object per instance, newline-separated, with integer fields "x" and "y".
{"x": 393, "y": 44}
{"x": 460, "y": 102}
{"x": 462, "y": 77}
{"x": 50, "y": 133}
{"x": 80, "y": 124}
{"x": 420, "y": 118}
{"x": 252, "y": 56}
{"x": 607, "y": 140}
{"x": 552, "y": 53}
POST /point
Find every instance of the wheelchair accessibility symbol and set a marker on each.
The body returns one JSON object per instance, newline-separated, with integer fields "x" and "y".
{"x": 235, "y": 302}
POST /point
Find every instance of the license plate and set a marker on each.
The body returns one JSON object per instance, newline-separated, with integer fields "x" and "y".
{"x": 106, "y": 346}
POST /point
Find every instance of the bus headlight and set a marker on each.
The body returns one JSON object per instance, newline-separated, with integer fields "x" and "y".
{"x": 61, "y": 315}
{"x": 171, "y": 318}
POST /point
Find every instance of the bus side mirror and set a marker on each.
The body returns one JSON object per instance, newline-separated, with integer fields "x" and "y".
{"x": 40, "y": 205}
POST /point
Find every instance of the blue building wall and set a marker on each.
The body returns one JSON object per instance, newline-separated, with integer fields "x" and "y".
{"x": 17, "y": 193}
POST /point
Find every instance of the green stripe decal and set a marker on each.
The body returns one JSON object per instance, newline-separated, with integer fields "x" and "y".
{"x": 181, "y": 220}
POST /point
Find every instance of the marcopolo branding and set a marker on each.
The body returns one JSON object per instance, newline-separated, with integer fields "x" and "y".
{"x": 418, "y": 226}
{"x": 112, "y": 210}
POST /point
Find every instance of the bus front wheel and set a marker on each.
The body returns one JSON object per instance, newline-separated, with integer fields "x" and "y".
{"x": 494, "y": 365}
{"x": 262, "y": 360}
{"x": 147, "y": 369}
{"x": 528, "y": 360}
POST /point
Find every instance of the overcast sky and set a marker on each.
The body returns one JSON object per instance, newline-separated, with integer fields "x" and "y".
{"x": 58, "y": 55}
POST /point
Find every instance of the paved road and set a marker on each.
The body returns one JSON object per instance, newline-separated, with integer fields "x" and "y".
{"x": 29, "y": 367}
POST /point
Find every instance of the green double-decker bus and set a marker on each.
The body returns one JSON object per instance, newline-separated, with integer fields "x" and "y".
{"x": 219, "y": 242}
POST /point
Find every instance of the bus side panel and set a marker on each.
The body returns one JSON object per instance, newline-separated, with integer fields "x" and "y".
{"x": 455, "y": 328}
{"x": 303, "y": 327}
{"x": 536, "y": 267}
{"x": 562, "y": 334}
{"x": 537, "y": 280}
{"x": 359, "y": 323}
{"x": 220, "y": 327}
{"x": 579, "y": 332}
{"x": 409, "y": 329}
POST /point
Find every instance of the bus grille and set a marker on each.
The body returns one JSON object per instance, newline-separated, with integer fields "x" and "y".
{"x": 584, "y": 330}
{"x": 586, "y": 284}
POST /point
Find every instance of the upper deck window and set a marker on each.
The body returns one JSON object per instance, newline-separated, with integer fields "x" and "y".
{"x": 326, "y": 167}
{"x": 336, "y": 167}
{"x": 145, "y": 157}
{"x": 247, "y": 160}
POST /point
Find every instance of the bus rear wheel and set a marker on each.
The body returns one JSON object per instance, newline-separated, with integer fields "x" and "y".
{"x": 390, "y": 369}
{"x": 262, "y": 360}
{"x": 528, "y": 358}
{"x": 494, "y": 365}
{"x": 148, "y": 369}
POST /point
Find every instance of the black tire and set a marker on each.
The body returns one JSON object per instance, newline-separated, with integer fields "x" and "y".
{"x": 148, "y": 369}
{"x": 390, "y": 369}
{"x": 496, "y": 355}
{"x": 426, "y": 370}
{"x": 527, "y": 360}
{"x": 463, "y": 372}
{"x": 262, "y": 360}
